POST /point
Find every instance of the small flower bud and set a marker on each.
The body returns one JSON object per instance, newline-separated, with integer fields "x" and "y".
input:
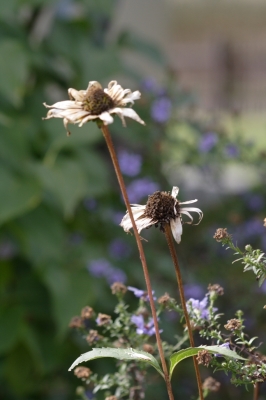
{"x": 80, "y": 390}
{"x": 215, "y": 290}
{"x": 87, "y": 313}
{"x": 93, "y": 336}
{"x": 233, "y": 324}
{"x": 204, "y": 357}
{"x": 148, "y": 348}
{"x": 103, "y": 319}
{"x": 221, "y": 234}
{"x": 76, "y": 322}
{"x": 118, "y": 288}
{"x": 211, "y": 384}
{"x": 248, "y": 248}
{"x": 82, "y": 372}
{"x": 165, "y": 300}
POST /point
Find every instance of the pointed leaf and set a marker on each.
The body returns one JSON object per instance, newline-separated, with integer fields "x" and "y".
{"x": 120, "y": 354}
{"x": 193, "y": 351}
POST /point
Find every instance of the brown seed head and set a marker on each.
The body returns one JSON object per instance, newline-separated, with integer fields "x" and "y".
{"x": 93, "y": 336}
{"x": 233, "y": 324}
{"x": 76, "y": 322}
{"x": 118, "y": 288}
{"x": 204, "y": 357}
{"x": 221, "y": 234}
{"x": 82, "y": 372}
{"x": 96, "y": 100}
{"x": 161, "y": 207}
{"x": 217, "y": 289}
{"x": 103, "y": 319}
{"x": 87, "y": 313}
{"x": 211, "y": 384}
{"x": 148, "y": 348}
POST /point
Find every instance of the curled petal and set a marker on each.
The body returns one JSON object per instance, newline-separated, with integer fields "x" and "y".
{"x": 176, "y": 228}
{"x": 175, "y": 191}
{"x": 193, "y": 209}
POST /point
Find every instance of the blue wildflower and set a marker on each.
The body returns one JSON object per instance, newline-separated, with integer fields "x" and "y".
{"x": 231, "y": 150}
{"x": 130, "y": 163}
{"x": 140, "y": 294}
{"x": 207, "y": 142}
{"x": 143, "y": 328}
{"x": 161, "y": 110}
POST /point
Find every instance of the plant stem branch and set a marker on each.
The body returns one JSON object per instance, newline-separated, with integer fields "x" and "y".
{"x": 170, "y": 242}
{"x": 256, "y": 391}
{"x": 120, "y": 179}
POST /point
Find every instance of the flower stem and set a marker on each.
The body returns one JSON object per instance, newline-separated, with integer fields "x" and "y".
{"x": 170, "y": 242}
{"x": 256, "y": 391}
{"x": 120, "y": 179}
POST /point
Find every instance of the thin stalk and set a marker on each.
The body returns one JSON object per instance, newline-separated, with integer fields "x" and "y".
{"x": 170, "y": 242}
{"x": 256, "y": 391}
{"x": 120, "y": 179}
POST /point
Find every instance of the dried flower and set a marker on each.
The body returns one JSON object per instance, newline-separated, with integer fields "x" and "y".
{"x": 103, "y": 319}
{"x": 76, "y": 322}
{"x": 82, "y": 372}
{"x": 148, "y": 348}
{"x": 118, "y": 288}
{"x": 165, "y": 300}
{"x": 93, "y": 336}
{"x": 233, "y": 324}
{"x": 95, "y": 103}
{"x": 211, "y": 384}
{"x": 204, "y": 357}
{"x": 87, "y": 312}
{"x": 216, "y": 289}
{"x": 161, "y": 208}
{"x": 221, "y": 234}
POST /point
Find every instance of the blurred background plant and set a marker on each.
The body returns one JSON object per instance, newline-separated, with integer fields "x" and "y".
{"x": 60, "y": 242}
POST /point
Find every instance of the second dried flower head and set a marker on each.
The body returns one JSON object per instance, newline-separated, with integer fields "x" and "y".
{"x": 161, "y": 208}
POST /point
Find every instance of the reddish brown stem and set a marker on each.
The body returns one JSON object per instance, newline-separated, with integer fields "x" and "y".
{"x": 256, "y": 391}
{"x": 170, "y": 242}
{"x": 112, "y": 152}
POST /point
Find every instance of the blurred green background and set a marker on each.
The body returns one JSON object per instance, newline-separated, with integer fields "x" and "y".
{"x": 60, "y": 243}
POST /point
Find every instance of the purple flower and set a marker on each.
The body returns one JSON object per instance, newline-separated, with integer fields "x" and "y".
{"x": 193, "y": 290}
{"x": 254, "y": 201}
{"x": 140, "y": 188}
{"x": 231, "y": 150}
{"x": 90, "y": 204}
{"x": 225, "y": 345}
{"x": 142, "y": 327}
{"x": 130, "y": 163}
{"x": 198, "y": 309}
{"x": 119, "y": 249}
{"x": 207, "y": 142}
{"x": 140, "y": 293}
{"x": 161, "y": 110}
{"x": 149, "y": 85}
{"x": 103, "y": 269}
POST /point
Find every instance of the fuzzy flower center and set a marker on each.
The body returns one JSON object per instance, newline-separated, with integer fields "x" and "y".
{"x": 97, "y": 101}
{"x": 161, "y": 207}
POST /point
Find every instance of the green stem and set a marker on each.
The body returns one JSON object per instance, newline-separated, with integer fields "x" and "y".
{"x": 120, "y": 179}
{"x": 170, "y": 242}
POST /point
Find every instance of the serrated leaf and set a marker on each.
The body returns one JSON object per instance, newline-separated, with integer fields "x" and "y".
{"x": 180, "y": 355}
{"x": 120, "y": 354}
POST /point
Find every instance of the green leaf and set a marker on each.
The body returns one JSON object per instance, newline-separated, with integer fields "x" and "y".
{"x": 18, "y": 194}
{"x": 11, "y": 321}
{"x": 120, "y": 354}
{"x": 66, "y": 181}
{"x": 13, "y": 70}
{"x": 193, "y": 351}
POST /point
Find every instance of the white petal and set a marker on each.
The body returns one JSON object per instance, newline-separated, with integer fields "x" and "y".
{"x": 194, "y": 209}
{"x": 106, "y": 118}
{"x": 189, "y": 201}
{"x": 139, "y": 217}
{"x": 176, "y": 227}
{"x": 127, "y": 112}
{"x": 188, "y": 214}
{"x": 175, "y": 191}
{"x": 64, "y": 105}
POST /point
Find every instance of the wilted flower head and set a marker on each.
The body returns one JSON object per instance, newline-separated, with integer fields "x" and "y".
{"x": 161, "y": 208}
{"x": 95, "y": 103}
